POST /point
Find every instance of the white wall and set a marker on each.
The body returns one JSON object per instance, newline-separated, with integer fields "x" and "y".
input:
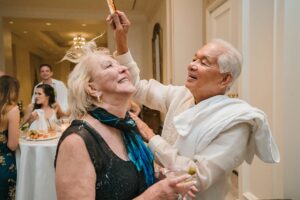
{"x": 159, "y": 16}
{"x": 291, "y": 96}
{"x": 137, "y": 42}
{"x": 187, "y": 34}
{"x": 271, "y": 46}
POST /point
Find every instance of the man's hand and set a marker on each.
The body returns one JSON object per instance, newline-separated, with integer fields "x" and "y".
{"x": 145, "y": 131}
{"x": 120, "y": 24}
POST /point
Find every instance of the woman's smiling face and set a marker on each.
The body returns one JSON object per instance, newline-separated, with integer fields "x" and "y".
{"x": 110, "y": 77}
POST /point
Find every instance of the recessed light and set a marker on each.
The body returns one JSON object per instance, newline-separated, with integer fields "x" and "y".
{"x": 48, "y": 24}
{"x": 83, "y": 25}
{"x": 11, "y": 22}
{"x": 25, "y": 32}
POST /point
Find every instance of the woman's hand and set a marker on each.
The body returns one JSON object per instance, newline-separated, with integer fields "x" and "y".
{"x": 168, "y": 189}
{"x": 145, "y": 131}
{"x": 191, "y": 192}
{"x": 59, "y": 112}
{"x": 34, "y": 116}
{"x": 120, "y": 24}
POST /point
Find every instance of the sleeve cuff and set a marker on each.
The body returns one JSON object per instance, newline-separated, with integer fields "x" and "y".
{"x": 155, "y": 142}
{"x": 124, "y": 58}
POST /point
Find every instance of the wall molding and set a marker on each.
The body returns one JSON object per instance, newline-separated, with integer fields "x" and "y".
{"x": 249, "y": 196}
{"x": 215, "y": 5}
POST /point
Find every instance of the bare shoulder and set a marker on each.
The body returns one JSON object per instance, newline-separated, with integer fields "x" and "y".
{"x": 73, "y": 143}
{"x": 75, "y": 176}
{"x": 14, "y": 108}
{"x": 13, "y": 112}
{"x": 73, "y": 152}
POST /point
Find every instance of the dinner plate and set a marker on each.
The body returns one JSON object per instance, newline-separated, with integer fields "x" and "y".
{"x": 57, "y": 135}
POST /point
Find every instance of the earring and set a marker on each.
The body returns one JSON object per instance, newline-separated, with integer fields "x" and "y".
{"x": 99, "y": 99}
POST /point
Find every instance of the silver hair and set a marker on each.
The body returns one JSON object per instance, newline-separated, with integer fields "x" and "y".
{"x": 230, "y": 61}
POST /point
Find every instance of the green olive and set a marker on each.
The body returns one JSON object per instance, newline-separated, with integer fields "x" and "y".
{"x": 192, "y": 171}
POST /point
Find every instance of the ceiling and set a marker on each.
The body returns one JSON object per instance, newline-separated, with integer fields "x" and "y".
{"x": 52, "y": 25}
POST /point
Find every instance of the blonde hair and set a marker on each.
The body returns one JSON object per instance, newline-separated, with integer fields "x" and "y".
{"x": 78, "y": 98}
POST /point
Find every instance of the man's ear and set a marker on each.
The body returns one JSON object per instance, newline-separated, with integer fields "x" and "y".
{"x": 91, "y": 89}
{"x": 226, "y": 80}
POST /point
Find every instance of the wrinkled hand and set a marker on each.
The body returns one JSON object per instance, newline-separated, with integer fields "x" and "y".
{"x": 168, "y": 189}
{"x": 135, "y": 108}
{"x": 145, "y": 131}
{"x": 192, "y": 192}
{"x": 182, "y": 189}
{"x": 119, "y": 22}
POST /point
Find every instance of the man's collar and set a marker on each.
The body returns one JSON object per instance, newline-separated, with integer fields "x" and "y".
{"x": 51, "y": 82}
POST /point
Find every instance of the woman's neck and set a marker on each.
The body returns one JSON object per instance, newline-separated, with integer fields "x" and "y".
{"x": 46, "y": 106}
{"x": 117, "y": 107}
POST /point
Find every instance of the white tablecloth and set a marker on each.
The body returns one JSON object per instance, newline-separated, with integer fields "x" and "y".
{"x": 36, "y": 174}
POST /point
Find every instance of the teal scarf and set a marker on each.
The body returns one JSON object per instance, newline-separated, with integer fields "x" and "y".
{"x": 138, "y": 153}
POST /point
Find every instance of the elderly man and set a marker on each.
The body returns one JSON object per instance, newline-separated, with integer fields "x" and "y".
{"x": 60, "y": 89}
{"x": 204, "y": 130}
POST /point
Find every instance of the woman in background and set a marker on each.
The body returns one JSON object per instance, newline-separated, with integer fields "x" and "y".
{"x": 9, "y": 135}
{"x": 43, "y": 114}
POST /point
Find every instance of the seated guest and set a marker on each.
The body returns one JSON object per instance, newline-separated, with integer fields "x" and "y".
{"x": 101, "y": 155}
{"x": 61, "y": 91}
{"x": 204, "y": 129}
{"x": 9, "y": 135}
{"x": 43, "y": 114}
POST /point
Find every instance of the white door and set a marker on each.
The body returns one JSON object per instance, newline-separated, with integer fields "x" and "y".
{"x": 222, "y": 22}
{"x": 218, "y": 21}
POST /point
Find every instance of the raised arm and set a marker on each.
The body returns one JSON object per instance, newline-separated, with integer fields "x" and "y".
{"x": 59, "y": 112}
{"x": 150, "y": 93}
{"x": 120, "y": 25}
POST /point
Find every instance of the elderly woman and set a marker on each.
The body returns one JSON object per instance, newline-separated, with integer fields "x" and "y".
{"x": 9, "y": 135}
{"x": 101, "y": 155}
{"x": 204, "y": 129}
{"x": 43, "y": 114}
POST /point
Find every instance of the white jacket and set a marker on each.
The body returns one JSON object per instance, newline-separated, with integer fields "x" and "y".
{"x": 200, "y": 138}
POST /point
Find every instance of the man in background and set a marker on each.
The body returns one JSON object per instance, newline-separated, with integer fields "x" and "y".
{"x": 61, "y": 91}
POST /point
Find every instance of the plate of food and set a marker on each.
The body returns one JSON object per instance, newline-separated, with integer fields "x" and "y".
{"x": 39, "y": 135}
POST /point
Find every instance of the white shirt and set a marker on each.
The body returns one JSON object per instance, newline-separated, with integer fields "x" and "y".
{"x": 42, "y": 123}
{"x": 61, "y": 93}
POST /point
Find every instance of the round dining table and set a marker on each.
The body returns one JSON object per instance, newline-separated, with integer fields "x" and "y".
{"x": 35, "y": 170}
